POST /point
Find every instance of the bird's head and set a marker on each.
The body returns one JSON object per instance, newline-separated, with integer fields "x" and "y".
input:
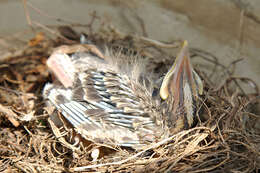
{"x": 180, "y": 89}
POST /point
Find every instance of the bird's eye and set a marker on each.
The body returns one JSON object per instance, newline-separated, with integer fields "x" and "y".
{"x": 84, "y": 39}
{"x": 155, "y": 92}
{"x": 75, "y": 56}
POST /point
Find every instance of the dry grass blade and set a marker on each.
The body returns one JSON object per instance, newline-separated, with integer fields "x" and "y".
{"x": 10, "y": 115}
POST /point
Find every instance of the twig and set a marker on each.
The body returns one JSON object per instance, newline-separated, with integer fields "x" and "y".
{"x": 10, "y": 115}
{"x": 158, "y": 43}
{"x": 46, "y": 14}
{"x": 51, "y": 31}
{"x": 28, "y": 17}
{"x": 156, "y": 145}
{"x": 191, "y": 147}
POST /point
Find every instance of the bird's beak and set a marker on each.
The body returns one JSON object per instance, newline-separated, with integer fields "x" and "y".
{"x": 182, "y": 84}
{"x": 62, "y": 67}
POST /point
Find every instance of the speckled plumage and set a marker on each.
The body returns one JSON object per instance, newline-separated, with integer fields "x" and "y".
{"x": 111, "y": 100}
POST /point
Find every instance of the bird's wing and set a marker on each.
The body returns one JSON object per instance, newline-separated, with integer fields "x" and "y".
{"x": 103, "y": 107}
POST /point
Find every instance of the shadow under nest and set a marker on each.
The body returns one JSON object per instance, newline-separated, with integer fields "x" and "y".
{"x": 226, "y": 139}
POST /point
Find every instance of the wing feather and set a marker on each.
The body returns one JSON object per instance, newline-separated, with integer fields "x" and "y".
{"x": 103, "y": 107}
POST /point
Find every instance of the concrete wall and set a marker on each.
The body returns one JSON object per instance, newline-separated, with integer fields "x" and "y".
{"x": 213, "y": 25}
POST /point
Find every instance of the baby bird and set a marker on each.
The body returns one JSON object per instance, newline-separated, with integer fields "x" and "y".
{"x": 109, "y": 99}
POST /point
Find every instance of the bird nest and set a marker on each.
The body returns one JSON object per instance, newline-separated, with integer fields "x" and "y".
{"x": 226, "y": 138}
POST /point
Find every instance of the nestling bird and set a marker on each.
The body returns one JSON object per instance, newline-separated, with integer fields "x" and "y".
{"x": 112, "y": 101}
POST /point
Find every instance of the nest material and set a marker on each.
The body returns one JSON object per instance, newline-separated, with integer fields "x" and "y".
{"x": 226, "y": 139}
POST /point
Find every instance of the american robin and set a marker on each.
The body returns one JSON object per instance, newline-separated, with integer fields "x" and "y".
{"x": 111, "y": 100}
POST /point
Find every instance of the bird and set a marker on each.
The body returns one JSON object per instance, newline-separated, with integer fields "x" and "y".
{"x": 108, "y": 98}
